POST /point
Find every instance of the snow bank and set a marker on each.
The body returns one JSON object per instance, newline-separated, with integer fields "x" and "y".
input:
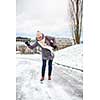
{"x": 70, "y": 56}
{"x": 20, "y": 43}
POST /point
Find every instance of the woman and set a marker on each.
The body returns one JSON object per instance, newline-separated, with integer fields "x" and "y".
{"x": 47, "y": 43}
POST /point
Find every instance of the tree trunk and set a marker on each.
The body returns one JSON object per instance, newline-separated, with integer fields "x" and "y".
{"x": 77, "y": 35}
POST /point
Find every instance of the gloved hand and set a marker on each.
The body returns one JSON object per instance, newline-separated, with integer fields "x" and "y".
{"x": 27, "y": 43}
{"x": 55, "y": 47}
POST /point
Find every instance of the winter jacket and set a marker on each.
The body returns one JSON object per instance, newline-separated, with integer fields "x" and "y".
{"x": 46, "y": 54}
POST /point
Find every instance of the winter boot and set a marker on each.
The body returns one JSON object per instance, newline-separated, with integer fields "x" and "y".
{"x": 49, "y": 77}
{"x": 42, "y": 78}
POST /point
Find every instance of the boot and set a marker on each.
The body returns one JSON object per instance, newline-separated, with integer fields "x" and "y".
{"x": 49, "y": 77}
{"x": 42, "y": 78}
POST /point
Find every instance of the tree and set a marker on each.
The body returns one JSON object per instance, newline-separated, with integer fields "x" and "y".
{"x": 75, "y": 15}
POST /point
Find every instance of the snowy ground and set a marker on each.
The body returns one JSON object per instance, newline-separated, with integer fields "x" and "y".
{"x": 71, "y": 56}
{"x": 67, "y": 79}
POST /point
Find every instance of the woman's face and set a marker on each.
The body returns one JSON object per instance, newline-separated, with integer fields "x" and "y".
{"x": 39, "y": 36}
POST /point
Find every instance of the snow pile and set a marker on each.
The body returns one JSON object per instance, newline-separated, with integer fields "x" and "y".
{"x": 20, "y": 43}
{"x": 70, "y": 56}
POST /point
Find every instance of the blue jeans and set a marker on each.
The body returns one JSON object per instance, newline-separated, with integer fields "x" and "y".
{"x": 44, "y": 67}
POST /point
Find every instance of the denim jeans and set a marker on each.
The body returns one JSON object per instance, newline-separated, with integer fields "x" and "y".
{"x": 44, "y": 67}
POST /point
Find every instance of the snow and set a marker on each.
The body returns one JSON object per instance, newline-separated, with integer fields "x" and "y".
{"x": 66, "y": 83}
{"x": 18, "y": 52}
{"x": 20, "y": 43}
{"x": 71, "y": 56}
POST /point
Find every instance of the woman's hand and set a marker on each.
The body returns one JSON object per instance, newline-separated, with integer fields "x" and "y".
{"x": 27, "y": 43}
